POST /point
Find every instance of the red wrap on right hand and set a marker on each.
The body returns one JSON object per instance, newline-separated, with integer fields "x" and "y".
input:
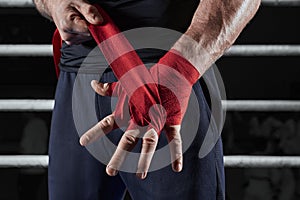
{"x": 129, "y": 70}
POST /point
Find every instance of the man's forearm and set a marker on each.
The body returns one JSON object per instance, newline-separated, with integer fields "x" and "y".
{"x": 215, "y": 26}
{"x": 43, "y": 8}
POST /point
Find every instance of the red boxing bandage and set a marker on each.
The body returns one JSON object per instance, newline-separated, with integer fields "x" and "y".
{"x": 175, "y": 76}
{"x": 134, "y": 77}
{"x": 168, "y": 83}
{"x": 131, "y": 73}
{"x": 56, "y": 45}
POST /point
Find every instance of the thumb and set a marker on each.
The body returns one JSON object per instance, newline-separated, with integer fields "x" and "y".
{"x": 104, "y": 89}
{"x": 90, "y": 13}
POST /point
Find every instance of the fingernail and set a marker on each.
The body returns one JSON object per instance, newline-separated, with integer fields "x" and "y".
{"x": 178, "y": 167}
{"x": 82, "y": 141}
{"x": 111, "y": 171}
{"x": 142, "y": 175}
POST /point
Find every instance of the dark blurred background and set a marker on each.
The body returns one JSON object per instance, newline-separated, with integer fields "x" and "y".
{"x": 253, "y": 133}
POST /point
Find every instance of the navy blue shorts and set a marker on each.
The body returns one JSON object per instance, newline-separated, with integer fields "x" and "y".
{"x": 74, "y": 174}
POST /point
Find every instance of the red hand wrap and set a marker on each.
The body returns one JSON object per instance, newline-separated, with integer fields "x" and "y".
{"x": 129, "y": 69}
{"x": 175, "y": 76}
{"x": 56, "y": 45}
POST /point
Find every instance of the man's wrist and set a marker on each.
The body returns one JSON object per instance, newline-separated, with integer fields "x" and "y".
{"x": 193, "y": 52}
{"x": 43, "y": 7}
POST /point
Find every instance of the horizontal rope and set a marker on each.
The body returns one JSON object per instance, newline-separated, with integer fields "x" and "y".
{"x": 235, "y": 50}
{"x": 24, "y": 161}
{"x": 228, "y": 105}
{"x": 26, "y": 105}
{"x": 262, "y": 161}
{"x": 26, "y": 50}
{"x": 281, "y": 2}
{"x": 16, "y": 3}
{"x": 261, "y": 105}
{"x": 263, "y": 50}
{"x": 28, "y": 3}
{"x": 41, "y": 161}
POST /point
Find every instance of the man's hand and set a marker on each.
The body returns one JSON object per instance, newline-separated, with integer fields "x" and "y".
{"x": 174, "y": 77}
{"x": 121, "y": 117}
{"x": 70, "y": 17}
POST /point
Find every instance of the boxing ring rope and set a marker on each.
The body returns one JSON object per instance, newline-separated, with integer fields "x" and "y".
{"x": 242, "y": 161}
{"x": 235, "y": 50}
{"x": 263, "y": 50}
{"x": 281, "y": 2}
{"x": 16, "y": 3}
{"x": 25, "y": 50}
{"x": 261, "y": 105}
{"x": 40, "y": 105}
{"x": 28, "y": 3}
{"x": 245, "y": 161}
{"x": 14, "y": 105}
{"x": 24, "y": 161}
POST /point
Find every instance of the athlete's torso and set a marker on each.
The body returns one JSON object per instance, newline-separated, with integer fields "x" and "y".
{"x": 128, "y": 14}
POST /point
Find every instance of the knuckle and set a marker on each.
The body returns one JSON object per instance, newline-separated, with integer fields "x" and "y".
{"x": 150, "y": 139}
{"x": 71, "y": 15}
{"x": 107, "y": 121}
{"x": 173, "y": 129}
{"x": 86, "y": 9}
{"x": 173, "y": 133}
{"x": 77, "y": 20}
{"x": 129, "y": 139}
{"x": 90, "y": 8}
{"x": 178, "y": 156}
{"x": 177, "y": 141}
{"x": 106, "y": 124}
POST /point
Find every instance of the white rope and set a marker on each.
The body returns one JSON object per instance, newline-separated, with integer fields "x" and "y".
{"x": 16, "y": 3}
{"x": 28, "y": 3}
{"x": 37, "y": 161}
{"x": 26, "y": 105}
{"x": 281, "y": 2}
{"x": 261, "y": 105}
{"x": 228, "y": 105}
{"x": 236, "y": 50}
{"x": 21, "y": 161}
{"x": 263, "y": 50}
{"x": 26, "y": 50}
{"x": 262, "y": 161}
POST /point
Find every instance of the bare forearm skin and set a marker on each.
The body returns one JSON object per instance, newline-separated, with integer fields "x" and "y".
{"x": 214, "y": 28}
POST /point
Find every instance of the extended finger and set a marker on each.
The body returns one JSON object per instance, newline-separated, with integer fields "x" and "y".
{"x": 100, "y": 129}
{"x": 126, "y": 144}
{"x": 149, "y": 144}
{"x": 175, "y": 145}
{"x": 104, "y": 89}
